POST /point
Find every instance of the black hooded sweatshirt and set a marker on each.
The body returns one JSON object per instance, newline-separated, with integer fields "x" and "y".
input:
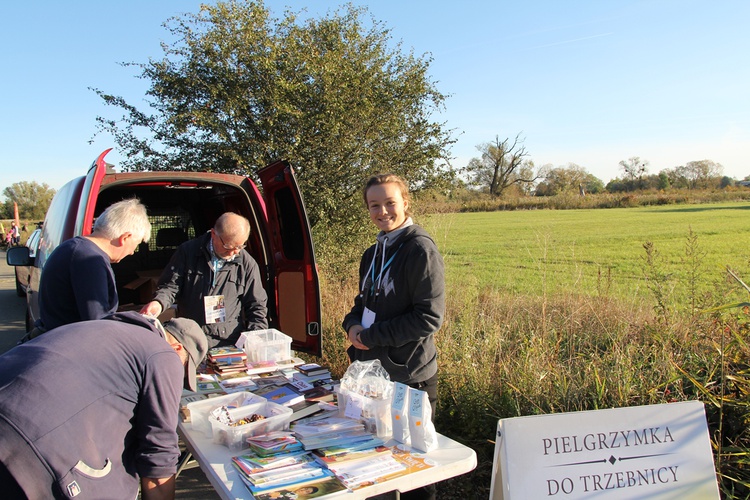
{"x": 406, "y": 291}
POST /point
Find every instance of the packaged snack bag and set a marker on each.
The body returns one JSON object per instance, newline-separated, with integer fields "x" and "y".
{"x": 400, "y": 412}
{"x": 421, "y": 429}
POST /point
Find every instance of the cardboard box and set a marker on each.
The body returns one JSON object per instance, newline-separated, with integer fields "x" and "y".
{"x": 145, "y": 284}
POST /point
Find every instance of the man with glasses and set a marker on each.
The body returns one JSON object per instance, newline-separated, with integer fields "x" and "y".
{"x": 215, "y": 282}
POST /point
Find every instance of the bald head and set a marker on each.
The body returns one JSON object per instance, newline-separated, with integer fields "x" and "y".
{"x": 229, "y": 235}
{"x": 233, "y": 226}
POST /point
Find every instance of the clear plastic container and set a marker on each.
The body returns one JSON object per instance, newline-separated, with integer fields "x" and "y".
{"x": 267, "y": 345}
{"x": 234, "y": 437}
{"x": 374, "y": 413}
{"x": 200, "y": 410}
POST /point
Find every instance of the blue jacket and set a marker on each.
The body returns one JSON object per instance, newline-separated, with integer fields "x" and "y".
{"x": 90, "y": 407}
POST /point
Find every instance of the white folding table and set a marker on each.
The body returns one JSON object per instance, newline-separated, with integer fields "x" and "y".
{"x": 451, "y": 459}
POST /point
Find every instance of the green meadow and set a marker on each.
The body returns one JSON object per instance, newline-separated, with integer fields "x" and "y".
{"x": 567, "y": 310}
{"x": 585, "y": 251}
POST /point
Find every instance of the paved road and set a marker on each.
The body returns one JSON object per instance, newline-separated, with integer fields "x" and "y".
{"x": 191, "y": 484}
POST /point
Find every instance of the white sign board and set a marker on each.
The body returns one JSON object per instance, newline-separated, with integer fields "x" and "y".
{"x": 655, "y": 452}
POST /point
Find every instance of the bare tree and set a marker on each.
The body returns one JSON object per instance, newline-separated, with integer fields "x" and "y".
{"x": 634, "y": 168}
{"x": 501, "y": 165}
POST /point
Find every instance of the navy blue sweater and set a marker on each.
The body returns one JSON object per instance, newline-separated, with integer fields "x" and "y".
{"x": 90, "y": 406}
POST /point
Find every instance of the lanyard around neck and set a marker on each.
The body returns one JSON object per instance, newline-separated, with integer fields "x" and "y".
{"x": 383, "y": 268}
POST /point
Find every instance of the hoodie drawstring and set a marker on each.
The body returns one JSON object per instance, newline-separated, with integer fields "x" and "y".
{"x": 383, "y": 266}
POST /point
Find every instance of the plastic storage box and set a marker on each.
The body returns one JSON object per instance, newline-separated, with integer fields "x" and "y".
{"x": 374, "y": 413}
{"x": 200, "y": 410}
{"x": 267, "y": 345}
{"x": 277, "y": 418}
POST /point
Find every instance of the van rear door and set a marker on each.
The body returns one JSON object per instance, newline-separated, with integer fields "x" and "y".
{"x": 91, "y": 186}
{"x": 292, "y": 257}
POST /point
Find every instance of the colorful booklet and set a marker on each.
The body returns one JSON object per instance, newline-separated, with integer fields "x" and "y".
{"x": 313, "y": 489}
{"x": 346, "y": 457}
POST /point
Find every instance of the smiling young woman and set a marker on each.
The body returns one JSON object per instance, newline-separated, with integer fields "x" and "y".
{"x": 401, "y": 303}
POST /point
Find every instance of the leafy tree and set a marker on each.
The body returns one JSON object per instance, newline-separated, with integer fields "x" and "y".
{"x": 676, "y": 177}
{"x": 33, "y": 199}
{"x": 726, "y": 181}
{"x": 702, "y": 174}
{"x": 240, "y": 89}
{"x": 568, "y": 179}
{"x": 501, "y": 166}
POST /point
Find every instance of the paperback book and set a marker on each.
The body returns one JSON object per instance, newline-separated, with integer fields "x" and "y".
{"x": 319, "y": 394}
{"x": 284, "y": 395}
{"x": 348, "y": 456}
{"x": 252, "y": 463}
{"x": 313, "y": 489}
{"x": 274, "y": 443}
{"x": 311, "y": 369}
{"x": 304, "y": 409}
{"x": 237, "y": 385}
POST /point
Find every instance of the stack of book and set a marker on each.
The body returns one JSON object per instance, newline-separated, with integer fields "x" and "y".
{"x": 274, "y": 443}
{"x": 313, "y": 374}
{"x": 333, "y": 431}
{"x": 281, "y": 475}
{"x": 270, "y": 378}
{"x": 334, "y": 457}
{"x": 383, "y": 466}
{"x": 257, "y": 367}
{"x": 311, "y": 391}
{"x": 225, "y": 360}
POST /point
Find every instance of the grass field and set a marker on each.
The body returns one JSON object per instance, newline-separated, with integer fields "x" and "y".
{"x": 565, "y": 310}
{"x": 585, "y": 251}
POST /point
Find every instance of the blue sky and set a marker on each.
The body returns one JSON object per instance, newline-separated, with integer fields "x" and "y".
{"x": 584, "y": 82}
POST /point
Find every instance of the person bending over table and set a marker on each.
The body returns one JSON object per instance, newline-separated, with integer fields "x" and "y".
{"x": 90, "y": 409}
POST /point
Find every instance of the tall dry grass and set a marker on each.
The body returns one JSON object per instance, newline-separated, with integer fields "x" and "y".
{"x": 504, "y": 355}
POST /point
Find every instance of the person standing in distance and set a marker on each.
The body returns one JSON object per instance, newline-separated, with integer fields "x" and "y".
{"x": 90, "y": 410}
{"x": 215, "y": 282}
{"x": 78, "y": 283}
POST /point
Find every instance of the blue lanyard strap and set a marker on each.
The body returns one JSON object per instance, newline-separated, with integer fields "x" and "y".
{"x": 382, "y": 270}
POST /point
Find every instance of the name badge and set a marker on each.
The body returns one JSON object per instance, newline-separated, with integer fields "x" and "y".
{"x": 368, "y": 318}
{"x": 213, "y": 306}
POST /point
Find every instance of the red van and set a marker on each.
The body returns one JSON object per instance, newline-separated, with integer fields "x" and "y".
{"x": 182, "y": 205}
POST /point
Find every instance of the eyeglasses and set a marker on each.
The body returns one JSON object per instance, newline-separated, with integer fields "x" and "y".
{"x": 229, "y": 247}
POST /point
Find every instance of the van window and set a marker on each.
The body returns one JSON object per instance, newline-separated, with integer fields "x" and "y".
{"x": 58, "y": 224}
